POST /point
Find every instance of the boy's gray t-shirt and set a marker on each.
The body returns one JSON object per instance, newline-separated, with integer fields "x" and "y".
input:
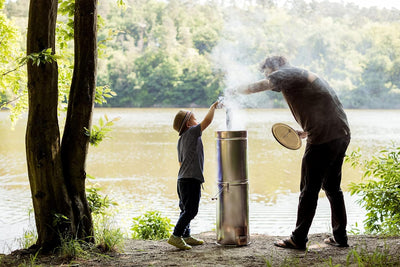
{"x": 191, "y": 154}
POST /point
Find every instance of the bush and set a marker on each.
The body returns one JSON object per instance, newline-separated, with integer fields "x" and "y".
{"x": 107, "y": 235}
{"x": 381, "y": 191}
{"x": 151, "y": 225}
{"x": 97, "y": 203}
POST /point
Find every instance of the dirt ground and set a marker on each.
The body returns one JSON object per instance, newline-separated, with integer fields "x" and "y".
{"x": 260, "y": 252}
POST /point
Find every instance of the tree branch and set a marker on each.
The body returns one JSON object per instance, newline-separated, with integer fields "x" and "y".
{"x": 9, "y": 71}
{"x": 8, "y": 102}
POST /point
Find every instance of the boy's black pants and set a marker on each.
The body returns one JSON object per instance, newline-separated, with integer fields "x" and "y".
{"x": 189, "y": 192}
{"x": 322, "y": 168}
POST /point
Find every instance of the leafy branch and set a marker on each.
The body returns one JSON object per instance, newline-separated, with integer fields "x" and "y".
{"x": 9, "y": 71}
{"x": 101, "y": 131}
{"x": 12, "y": 100}
{"x": 43, "y": 57}
{"x": 380, "y": 192}
{"x": 102, "y": 93}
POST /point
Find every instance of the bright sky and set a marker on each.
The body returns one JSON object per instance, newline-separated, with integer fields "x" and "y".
{"x": 368, "y": 3}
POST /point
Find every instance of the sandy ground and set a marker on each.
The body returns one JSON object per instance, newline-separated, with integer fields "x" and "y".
{"x": 260, "y": 252}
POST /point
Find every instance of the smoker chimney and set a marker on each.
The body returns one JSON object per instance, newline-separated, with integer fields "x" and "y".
{"x": 233, "y": 187}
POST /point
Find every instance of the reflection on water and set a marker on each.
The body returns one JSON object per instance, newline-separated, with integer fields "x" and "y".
{"x": 138, "y": 166}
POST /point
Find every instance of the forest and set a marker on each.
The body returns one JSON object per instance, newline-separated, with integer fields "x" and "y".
{"x": 185, "y": 53}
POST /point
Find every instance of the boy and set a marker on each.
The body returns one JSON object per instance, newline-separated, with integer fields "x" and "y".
{"x": 190, "y": 176}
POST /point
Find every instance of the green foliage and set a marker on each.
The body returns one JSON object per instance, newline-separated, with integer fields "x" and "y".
{"x": 159, "y": 47}
{"x": 361, "y": 257}
{"x": 329, "y": 262}
{"x": 65, "y": 26}
{"x": 180, "y": 53}
{"x": 97, "y": 203}
{"x": 71, "y": 247}
{"x": 60, "y": 219}
{"x": 43, "y": 57}
{"x": 102, "y": 93}
{"x": 380, "y": 193}
{"x": 28, "y": 239}
{"x": 101, "y": 131}
{"x": 13, "y": 89}
{"x": 30, "y": 236}
{"x": 151, "y": 225}
{"x": 107, "y": 236}
{"x": 33, "y": 258}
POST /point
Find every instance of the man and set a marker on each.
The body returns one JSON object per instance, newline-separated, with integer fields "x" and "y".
{"x": 318, "y": 111}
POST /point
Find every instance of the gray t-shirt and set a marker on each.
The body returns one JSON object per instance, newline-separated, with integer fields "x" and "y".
{"x": 314, "y": 105}
{"x": 191, "y": 154}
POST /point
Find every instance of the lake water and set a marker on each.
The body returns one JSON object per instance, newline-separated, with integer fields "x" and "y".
{"x": 138, "y": 166}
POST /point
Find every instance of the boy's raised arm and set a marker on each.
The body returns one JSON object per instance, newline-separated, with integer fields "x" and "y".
{"x": 209, "y": 117}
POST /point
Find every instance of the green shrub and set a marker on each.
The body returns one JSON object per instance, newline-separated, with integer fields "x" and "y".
{"x": 97, "y": 203}
{"x": 380, "y": 192}
{"x": 30, "y": 236}
{"x": 107, "y": 236}
{"x": 151, "y": 225}
{"x": 360, "y": 256}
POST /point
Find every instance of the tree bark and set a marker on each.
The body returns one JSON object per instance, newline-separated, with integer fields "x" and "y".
{"x": 49, "y": 193}
{"x": 80, "y": 108}
{"x": 57, "y": 173}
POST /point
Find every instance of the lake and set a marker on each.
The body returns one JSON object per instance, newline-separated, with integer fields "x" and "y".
{"x": 137, "y": 167}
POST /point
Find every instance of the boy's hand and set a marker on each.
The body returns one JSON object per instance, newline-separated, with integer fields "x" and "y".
{"x": 209, "y": 117}
{"x": 216, "y": 105}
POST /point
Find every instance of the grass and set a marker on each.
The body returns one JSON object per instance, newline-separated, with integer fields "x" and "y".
{"x": 379, "y": 257}
{"x": 108, "y": 238}
{"x": 359, "y": 256}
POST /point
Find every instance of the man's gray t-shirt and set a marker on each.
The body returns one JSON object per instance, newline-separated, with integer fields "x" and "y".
{"x": 314, "y": 105}
{"x": 191, "y": 154}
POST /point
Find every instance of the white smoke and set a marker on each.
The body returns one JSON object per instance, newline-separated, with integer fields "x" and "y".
{"x": 231, "y": 55}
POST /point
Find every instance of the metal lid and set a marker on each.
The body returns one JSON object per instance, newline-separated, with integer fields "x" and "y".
{"x": 286, "y": 136}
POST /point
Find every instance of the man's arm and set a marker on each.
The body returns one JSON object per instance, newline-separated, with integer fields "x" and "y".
{"x": 262, "y": 85}
{"x": 209, "y": 117}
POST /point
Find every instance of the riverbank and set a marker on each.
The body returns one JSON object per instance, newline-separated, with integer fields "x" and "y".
{"x": 369, "y": 250}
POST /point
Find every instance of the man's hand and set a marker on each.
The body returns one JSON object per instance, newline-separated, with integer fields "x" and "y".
{"x": 243, "y": 89}
{"x": 302, "y": 134}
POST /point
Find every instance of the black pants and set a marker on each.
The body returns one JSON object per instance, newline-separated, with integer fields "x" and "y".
{"x": 189, "y": 192}
{"x": 322, "y": 167}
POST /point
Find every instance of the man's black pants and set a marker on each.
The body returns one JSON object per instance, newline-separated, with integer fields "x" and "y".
{"x": 322, "y": 168}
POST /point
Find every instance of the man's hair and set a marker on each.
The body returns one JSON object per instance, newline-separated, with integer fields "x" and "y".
{"x": 274, "y": 63}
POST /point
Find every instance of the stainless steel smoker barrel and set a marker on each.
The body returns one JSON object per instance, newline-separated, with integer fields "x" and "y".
{"x": 233, "y": 186}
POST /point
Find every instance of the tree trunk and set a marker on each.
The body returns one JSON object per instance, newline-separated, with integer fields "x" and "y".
{"x": 57, "y": 174}
{"x": 80, "y": 108}
{"x": 49, "y": 193}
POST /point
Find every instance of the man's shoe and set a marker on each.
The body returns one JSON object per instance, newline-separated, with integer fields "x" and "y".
{"x": 178, "y": 242}
{"x": 193, "y": 241}
{"x": 331, "y": 241}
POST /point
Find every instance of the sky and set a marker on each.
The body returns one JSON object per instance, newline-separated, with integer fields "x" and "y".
{"x": 369, "y": 3}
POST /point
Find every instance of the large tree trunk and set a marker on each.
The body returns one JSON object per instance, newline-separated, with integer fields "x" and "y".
{"x": 80, "y": 108}
{"x": 49, "y": 194}
{"x": 57, "y": 174}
